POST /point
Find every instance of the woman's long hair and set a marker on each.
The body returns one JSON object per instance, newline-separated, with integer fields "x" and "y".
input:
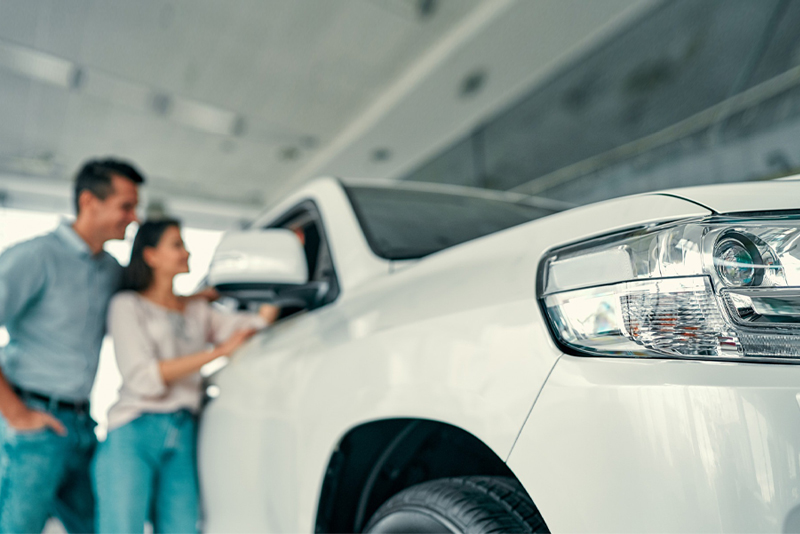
{"x": 138, "y": 276}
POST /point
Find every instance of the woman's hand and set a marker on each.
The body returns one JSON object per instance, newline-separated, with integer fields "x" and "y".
{"x": 269, "y": 313}
{"x": 178, "y": 368}
{"x": 237, "y": 339}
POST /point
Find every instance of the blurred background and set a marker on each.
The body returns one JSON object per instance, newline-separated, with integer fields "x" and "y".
{"x": 229, "y": 105}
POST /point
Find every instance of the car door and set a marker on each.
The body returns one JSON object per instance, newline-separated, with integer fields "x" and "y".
{"x": 250, "y": 433}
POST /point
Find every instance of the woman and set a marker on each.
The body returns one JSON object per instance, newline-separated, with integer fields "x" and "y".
{"x": 146, "y": 468}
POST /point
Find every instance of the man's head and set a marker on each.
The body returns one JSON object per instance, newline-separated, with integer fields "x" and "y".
{"x": 106, "y": 195}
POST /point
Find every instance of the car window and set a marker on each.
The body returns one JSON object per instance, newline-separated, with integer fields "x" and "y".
{"x": 407, "y": 224}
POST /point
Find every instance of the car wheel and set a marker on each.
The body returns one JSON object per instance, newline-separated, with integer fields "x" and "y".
{"x": 463, "y": 504}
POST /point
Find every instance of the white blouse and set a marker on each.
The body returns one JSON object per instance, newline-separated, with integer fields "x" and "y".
{"x": 146, "y": 333}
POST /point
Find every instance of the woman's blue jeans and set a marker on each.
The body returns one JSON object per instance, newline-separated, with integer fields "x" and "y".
{"x": 146, "y": 470}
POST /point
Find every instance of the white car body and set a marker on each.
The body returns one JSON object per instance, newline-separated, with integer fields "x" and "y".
{"x": 459, "y": 337}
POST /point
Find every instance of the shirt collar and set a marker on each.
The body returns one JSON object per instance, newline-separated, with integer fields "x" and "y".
{"x": 72, "y": 239}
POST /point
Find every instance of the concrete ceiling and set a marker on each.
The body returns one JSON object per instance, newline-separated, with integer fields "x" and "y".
{"x": 227, "y": 106}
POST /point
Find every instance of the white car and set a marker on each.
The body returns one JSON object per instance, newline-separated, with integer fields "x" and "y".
{"x": 452, "y": 360}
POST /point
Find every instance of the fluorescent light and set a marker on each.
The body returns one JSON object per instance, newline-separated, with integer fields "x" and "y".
{"x": 44, "y": 67}
{"x": 202, "y": 116}
{"x": 37, "y": 65}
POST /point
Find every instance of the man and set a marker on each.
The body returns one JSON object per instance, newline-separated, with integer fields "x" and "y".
{"x": 54, "y": 291}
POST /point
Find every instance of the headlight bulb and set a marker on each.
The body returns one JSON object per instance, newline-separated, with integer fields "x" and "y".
{"x": 737, "y": 260}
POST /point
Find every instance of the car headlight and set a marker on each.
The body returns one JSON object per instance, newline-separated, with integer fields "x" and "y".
{"x": 719, "y": 288}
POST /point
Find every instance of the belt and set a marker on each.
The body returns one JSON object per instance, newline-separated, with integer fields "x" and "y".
{"x": 76, "y": 406}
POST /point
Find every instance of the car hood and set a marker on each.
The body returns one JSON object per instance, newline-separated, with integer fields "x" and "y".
{"x": 741, "y": 197}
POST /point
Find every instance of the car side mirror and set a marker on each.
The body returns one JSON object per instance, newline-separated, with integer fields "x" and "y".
{"x": 258, "y": 262}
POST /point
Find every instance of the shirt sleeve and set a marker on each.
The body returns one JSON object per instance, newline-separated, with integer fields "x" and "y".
{"x": 136, "y": 351}
{"x": 22, "y": 279}
{"x": 223, "y": 324}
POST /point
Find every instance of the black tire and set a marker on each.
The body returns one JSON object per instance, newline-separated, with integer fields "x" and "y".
{"x": 463, "y": 504}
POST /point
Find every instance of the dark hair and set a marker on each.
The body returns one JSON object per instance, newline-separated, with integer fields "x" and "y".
{"x": 95, "y": 177}
{"x": 137, "y": 276}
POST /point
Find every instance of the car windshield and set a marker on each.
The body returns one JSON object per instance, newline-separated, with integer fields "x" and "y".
{"x": 402, "y": 224}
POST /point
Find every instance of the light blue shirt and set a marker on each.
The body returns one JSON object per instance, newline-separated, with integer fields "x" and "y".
{"x": 54, "y": 295}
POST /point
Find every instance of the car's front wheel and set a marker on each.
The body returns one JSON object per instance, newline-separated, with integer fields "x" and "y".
{"x": 463, "y": 504}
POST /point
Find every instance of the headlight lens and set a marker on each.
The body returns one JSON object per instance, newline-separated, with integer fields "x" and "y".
{"x": 737, "y": 260}
{"x": 718, "y": 288}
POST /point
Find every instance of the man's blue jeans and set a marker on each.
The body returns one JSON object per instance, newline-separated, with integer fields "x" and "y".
{"x": 43, "y": 474}
{"x": 146, "y": 470}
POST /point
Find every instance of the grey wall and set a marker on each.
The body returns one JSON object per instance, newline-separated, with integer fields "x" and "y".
{"x": 696, "y": 91}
